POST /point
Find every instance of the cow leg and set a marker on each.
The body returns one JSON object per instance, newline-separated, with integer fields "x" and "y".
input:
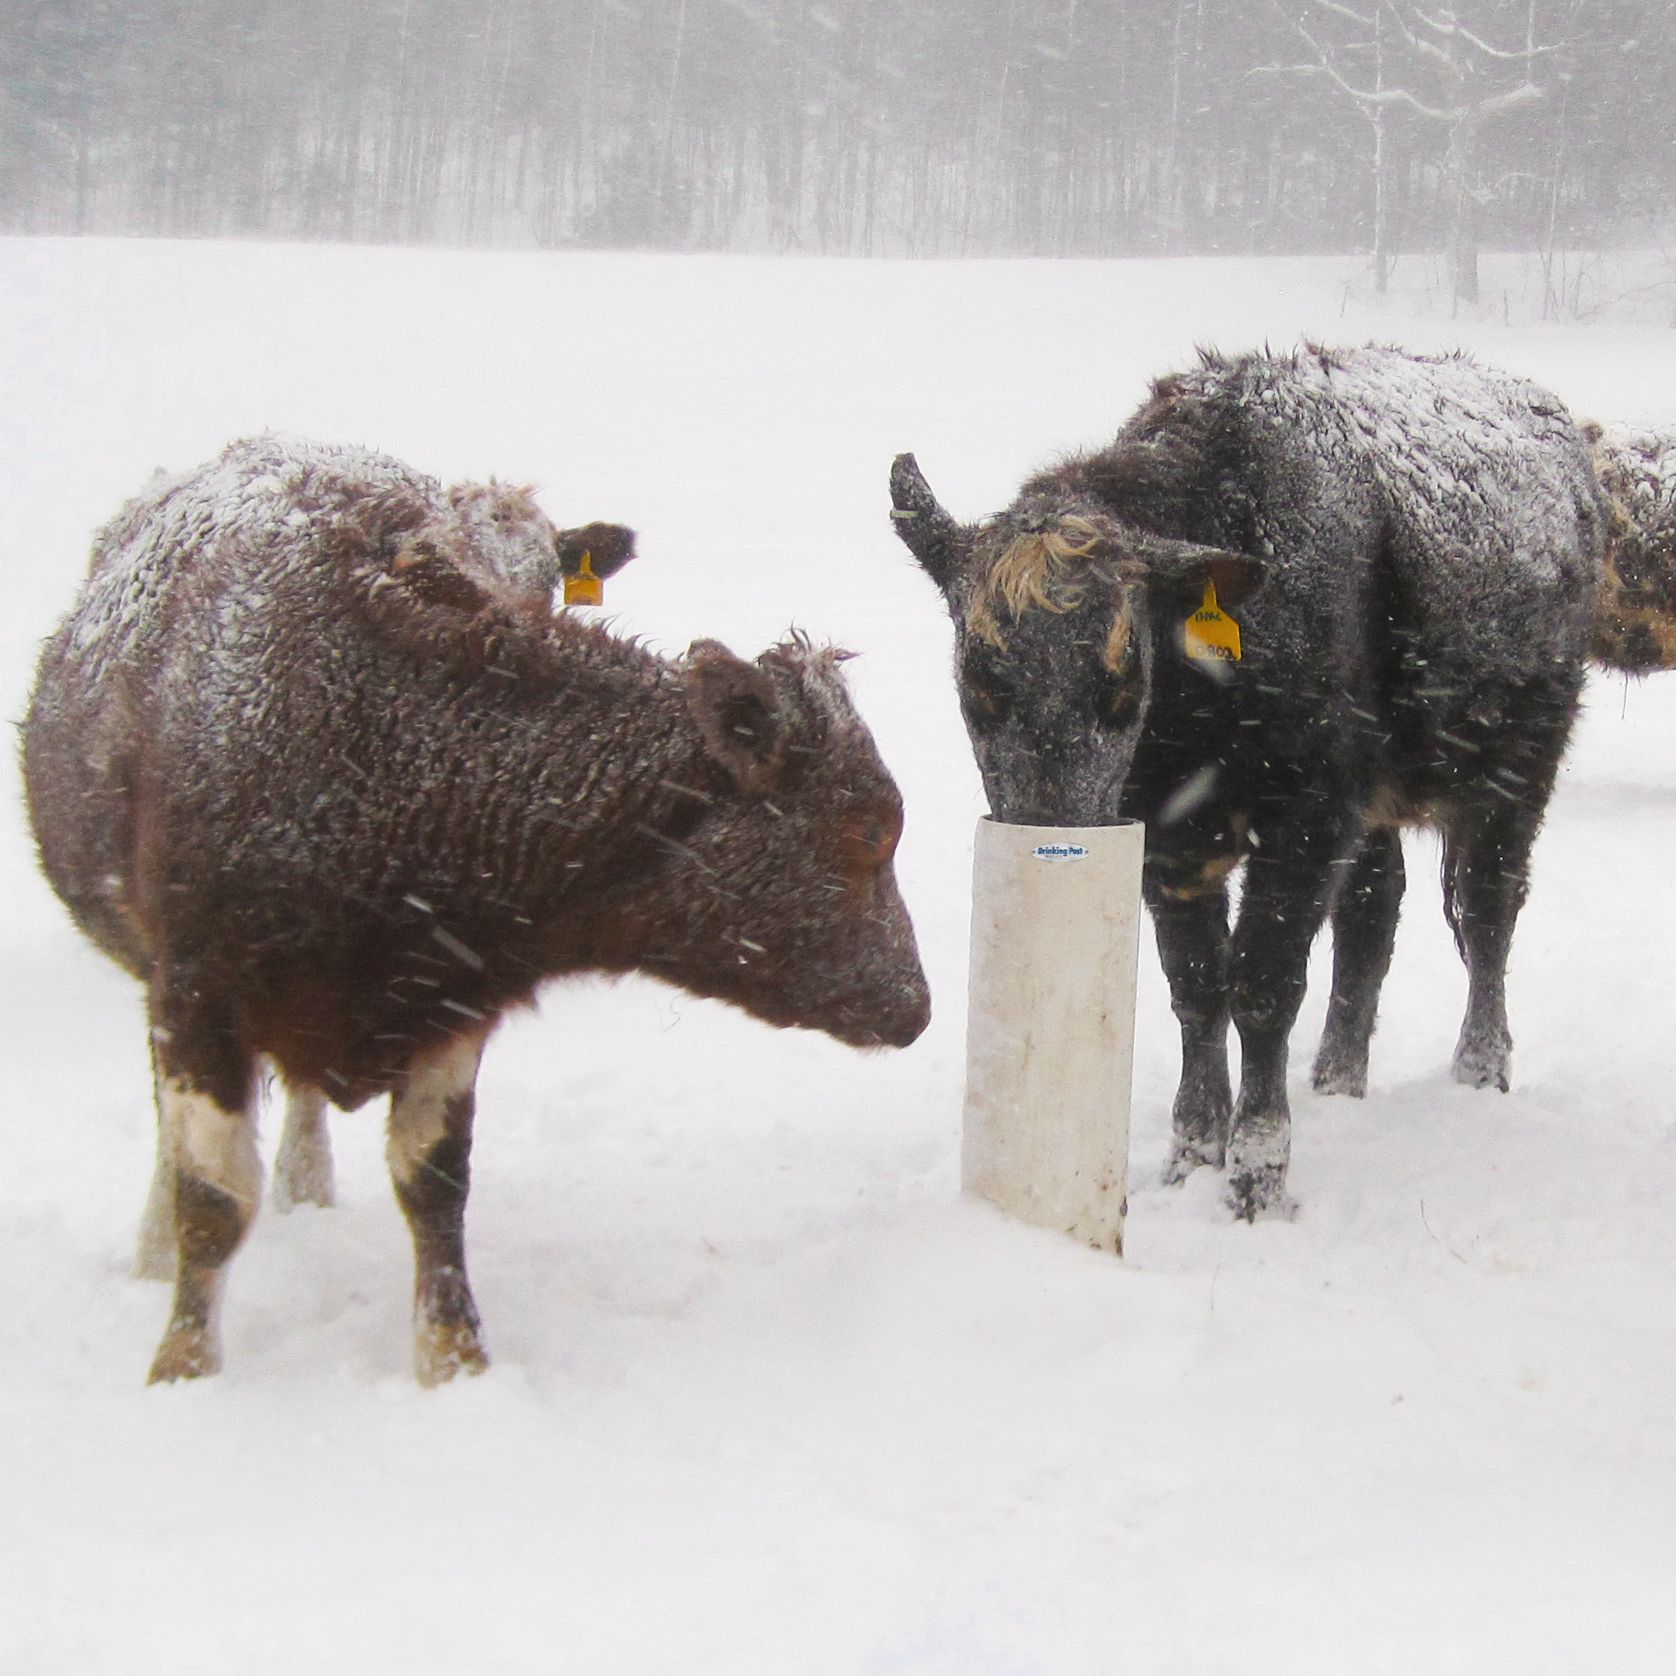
{"x": 154, "y": 1255}
{"x": 1192, "y": 935}
{"x": 303, "y": 1163}
{"x": 205, "y": 1095}
{"x": 154, "y": 1258}
{"x": 1282, "y": 908}
{"x": 1364, "y": 933}
{"x": 430, "y": 1164}
{"x": 1486, "y": 873}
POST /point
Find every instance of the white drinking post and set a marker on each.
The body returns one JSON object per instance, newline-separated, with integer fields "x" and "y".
{"x": 1050, "y": 1028}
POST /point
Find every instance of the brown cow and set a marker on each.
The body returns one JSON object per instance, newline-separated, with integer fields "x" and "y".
{"x": 1635, "y": 630}
{"x": 312, "y": 761}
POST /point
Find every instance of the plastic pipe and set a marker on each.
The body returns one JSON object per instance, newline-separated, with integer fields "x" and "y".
{"x": 1050, "y": 1026}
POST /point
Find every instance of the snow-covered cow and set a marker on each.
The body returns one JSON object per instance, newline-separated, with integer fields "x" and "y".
{"x": 1411, "y": 548}
{"x": 314, "y": 760}
{"x": 508, "y": 531}
{"x": 1636, "y": 629}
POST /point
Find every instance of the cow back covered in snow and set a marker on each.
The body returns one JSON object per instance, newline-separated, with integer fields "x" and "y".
{"x": 1412, "y": 550}
{"x": 315, "y": 760}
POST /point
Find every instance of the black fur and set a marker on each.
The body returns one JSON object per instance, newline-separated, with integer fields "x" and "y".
{"x": 1428, "y": 536}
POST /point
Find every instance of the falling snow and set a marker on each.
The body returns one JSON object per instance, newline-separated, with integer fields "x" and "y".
{"x": 770, "y": 1396}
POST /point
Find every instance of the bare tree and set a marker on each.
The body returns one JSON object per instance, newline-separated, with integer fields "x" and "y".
{"x": 924, "y": 127}
{"x": 1466, "y": 83}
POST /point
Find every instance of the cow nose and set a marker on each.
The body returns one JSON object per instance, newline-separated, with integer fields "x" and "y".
{"x": 902, "y": 1021}
{"x": 902, "y": 1032}
{"x": 1032, "y": 814}
{"x": 916, "y": 1015}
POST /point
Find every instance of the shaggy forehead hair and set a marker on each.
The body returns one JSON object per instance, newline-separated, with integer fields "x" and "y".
{"x": 516, "y": 498}
{"x": 1044, "y": 570}
{"x": 815, "y": 671}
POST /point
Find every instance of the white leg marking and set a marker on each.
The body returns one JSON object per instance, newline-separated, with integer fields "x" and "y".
{"x": 419, "y": 1111}
{"x": 216, "y": 1145}
{"x": 446, "y": 1337}
{"x": 303, "y": 1163}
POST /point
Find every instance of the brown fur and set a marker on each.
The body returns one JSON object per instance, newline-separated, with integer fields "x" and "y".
{"x": 340, "y": 789}
{"x": 607, "y": 548}
{"x": 1635, "y": 628}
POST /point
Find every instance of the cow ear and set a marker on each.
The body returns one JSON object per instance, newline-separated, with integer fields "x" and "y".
{"x": 428, "y": 571}
{"x": 1183, "y": 568}
{"x": 739, "y": 714}
{"x": 927, "y": 531}
{"x": 607, "y": 547}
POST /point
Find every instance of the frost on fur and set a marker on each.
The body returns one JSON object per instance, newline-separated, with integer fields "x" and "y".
{"x": 314, "y": 758}
{"x": 1411, "y": 546}
{"x": 1636, "y": 628}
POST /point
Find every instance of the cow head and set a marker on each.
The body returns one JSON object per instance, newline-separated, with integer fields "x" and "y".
{"x": 1054, "y": 603}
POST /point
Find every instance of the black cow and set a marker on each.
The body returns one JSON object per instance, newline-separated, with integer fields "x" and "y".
{"x": 1420, "y": 540}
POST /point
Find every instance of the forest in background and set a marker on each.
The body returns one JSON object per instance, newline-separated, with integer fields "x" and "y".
{"x": 867, "y": 127}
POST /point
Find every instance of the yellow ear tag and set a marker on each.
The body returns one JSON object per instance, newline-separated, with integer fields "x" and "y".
{"x": 1212, "y": 636}
{"x": 584, "y": 588}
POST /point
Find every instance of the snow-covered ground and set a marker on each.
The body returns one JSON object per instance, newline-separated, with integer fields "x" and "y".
{"x": 769, "y": 1396}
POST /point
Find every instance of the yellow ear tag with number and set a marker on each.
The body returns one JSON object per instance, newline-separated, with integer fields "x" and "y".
{"x": 584, "y": 588}
{"x": 1212, "y": 636}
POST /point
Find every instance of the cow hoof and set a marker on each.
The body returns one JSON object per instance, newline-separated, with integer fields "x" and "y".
{"x": 185, "y": 1353}
{"x": 1350, "y": 1081}
{"x": 1258, "y": 1154}
{"x": 1482, "y": 1068}
{"x": 441, "y": 1351}
{"x": 1188, "y": 1156}
{"x": 1259, "y": 1192}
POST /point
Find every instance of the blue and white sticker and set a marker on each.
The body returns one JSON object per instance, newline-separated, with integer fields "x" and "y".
{"x": 1060, "y": 852}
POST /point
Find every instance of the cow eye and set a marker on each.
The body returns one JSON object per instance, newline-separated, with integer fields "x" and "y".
{"x": 1117, "y": 700}
{"x": 985, "y": 700}
{"x": 987, "y": 694}
{"x": 870, "y": 840}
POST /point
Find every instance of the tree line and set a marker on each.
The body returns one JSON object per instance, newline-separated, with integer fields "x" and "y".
{"x": 899, "y": 127}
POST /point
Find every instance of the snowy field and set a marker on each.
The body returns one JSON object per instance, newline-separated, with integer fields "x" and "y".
{"x": 769, "y": 1396}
